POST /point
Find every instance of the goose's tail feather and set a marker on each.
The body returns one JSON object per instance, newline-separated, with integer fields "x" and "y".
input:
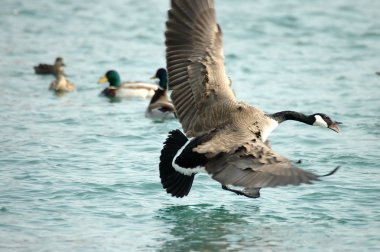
{"x": 175, "y": 183}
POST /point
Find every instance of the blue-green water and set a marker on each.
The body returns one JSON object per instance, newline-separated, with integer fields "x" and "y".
{"x": 78, "y": 173}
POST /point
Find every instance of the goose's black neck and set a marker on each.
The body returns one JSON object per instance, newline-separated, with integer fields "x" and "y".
{"x": 292, "y": 115}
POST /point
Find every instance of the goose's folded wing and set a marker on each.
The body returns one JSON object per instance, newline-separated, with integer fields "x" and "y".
{"x": 255, "y": 165}
{"x": 195, "y": 64}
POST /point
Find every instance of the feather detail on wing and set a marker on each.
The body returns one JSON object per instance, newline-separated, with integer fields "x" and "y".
{"x": 195, "y": 64}
{"x": 255, "y": 165}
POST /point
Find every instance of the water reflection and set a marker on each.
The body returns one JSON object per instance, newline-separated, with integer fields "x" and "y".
{"x": 199, "y": 227}
{"x": 113, "y": 99}
{"x": 60, "y": 93}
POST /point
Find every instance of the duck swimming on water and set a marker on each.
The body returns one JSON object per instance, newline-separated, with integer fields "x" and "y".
{"x": 223, "y": 137}
{"x": 160, "y": 107}
{"x": 50, "y": 69}
{"x": 61, "y": 84}
{"x": 120, "y": 89}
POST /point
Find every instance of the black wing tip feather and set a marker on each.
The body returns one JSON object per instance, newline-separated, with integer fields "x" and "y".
{"x": 331, "y": 172}
{"x": 175, "y": 183}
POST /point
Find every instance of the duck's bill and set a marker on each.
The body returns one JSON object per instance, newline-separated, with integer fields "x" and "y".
{"x": 153, "y": 77}
{"x": 335, "y": 127}
{"x": 102, "y": 80}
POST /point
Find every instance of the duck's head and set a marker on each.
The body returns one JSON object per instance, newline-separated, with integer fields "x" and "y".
{"x": 112, "y": 77}
{"x": 325, "y": 121}
{"x": 59, "y": 62}
{"x": 162, "y": 75}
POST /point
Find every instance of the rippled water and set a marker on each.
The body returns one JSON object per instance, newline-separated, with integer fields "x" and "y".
{"x": 79, "y": 173}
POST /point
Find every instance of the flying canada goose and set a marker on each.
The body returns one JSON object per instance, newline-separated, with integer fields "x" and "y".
{"x": 50, "y": 69}
{"x": 226, "y": 137}
{"x": 120, "y": 89}
{"x": 61, "y": 84}
{"x": 160, "y": 107}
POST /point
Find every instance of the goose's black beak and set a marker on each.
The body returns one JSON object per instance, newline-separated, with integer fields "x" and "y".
{"x": 334, "y": 126}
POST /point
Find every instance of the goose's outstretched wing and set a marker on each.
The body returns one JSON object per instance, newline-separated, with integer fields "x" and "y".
{"x": 254, "y": 165}
{"x": 201, "y": 89}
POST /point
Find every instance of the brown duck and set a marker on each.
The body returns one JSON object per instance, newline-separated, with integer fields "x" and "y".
{"x": 50, "y": 69}
{"x": 61, "y": 84}
{"x": 223, "y": 137}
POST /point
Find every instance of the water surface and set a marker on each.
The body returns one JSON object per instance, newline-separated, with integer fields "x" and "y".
{"x": 80, "y": 173}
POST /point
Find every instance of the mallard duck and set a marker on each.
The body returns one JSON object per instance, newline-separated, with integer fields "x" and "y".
{"x": 120, "y": 89}
{"x": 223, "y": 137}
{"x": 160, "y": 107}
{"x": 50, "y": 69}
{"x": 61, "y": 84}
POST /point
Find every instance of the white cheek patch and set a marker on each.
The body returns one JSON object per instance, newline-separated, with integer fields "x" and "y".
{"x": 320, "y": 122}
